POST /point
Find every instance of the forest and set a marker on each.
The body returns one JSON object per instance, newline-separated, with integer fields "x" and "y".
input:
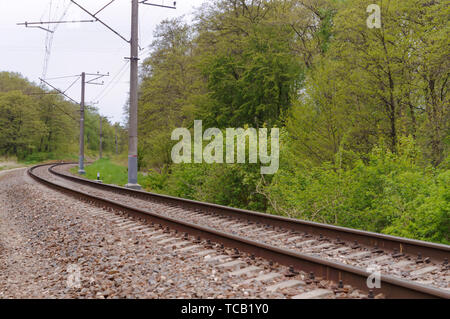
{"x": 37, "y": 124}
{"x": 363, "y": 112}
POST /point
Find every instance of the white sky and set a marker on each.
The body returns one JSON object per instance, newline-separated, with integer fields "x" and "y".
{"x": 88, "y": 47}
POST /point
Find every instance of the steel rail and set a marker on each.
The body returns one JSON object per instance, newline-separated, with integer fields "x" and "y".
{"x": 391, "y": 287}
{"x": 436, "y": 252}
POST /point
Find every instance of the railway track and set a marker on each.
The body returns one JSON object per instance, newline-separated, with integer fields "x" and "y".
{"x": 323, "y": 260}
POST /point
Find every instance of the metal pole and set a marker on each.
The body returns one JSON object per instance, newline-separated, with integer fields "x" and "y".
{"x": 133, "y": 136}
{"x": 101, "y": 137}
{"x": 81, "y": 158}
{"x": 117, "y": 145}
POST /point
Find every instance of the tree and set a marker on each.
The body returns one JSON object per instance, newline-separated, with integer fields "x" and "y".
{"x": 20, "y": 124}
{"x": 246, "y": 60}
{"x": 168, "y": 81}
{"x": 429, "y": 32}
{"x": 377, "y": 84}
{"x": 59, "y": 118}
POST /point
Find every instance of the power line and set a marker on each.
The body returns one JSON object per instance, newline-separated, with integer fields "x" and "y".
{"x": 73, "y": 83}
{"x": 58, "y": 90}
{"x": 160, "y": 5}
{"x": 63, "y": 77}
{"x": 49, "y": 37}
{"x": 94, "y": 15}
{"x": 112, "y": 83}
{"x": 27, "y": 24}
{"x": 62, "y": 110}
{"x": 53, "y": 104}
{"x": 104, "y": 7}
{"x": 47, "y": 44}
{"x": 134, "y": 81}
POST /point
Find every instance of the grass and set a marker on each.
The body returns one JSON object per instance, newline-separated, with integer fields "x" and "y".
{"x": 110, "y": 172}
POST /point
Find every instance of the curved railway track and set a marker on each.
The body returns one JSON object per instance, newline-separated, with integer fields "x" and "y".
{"x": 409, "y": 268}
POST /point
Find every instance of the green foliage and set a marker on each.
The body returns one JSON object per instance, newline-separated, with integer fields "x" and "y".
{"x": 36, "y": 126}
{"x": 256, "y": 85}
{"x": 364, "y": 112}
{"x": 424, "y": 211}
{"x": 395, "y": 78}
{"x": 15, "y": 82}
{"x": 20, "y": 124}
{"x": 390, "y": 193}
{"x": 155, "y": 182}
{"x": 169, "y": 80}
{"x": 228, "y": 184}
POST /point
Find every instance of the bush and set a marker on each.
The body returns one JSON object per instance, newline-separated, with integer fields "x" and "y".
{"x": 224, "y": 184}
{"x": 389, "y": 193}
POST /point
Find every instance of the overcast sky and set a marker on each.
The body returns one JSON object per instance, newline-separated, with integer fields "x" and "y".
{"x": 88, "y": 47}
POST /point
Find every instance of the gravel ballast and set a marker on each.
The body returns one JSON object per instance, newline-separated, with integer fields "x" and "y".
{"x": 54, "y": 246}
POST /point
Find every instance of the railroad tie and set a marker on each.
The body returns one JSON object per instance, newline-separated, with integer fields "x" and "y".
{"x": 189, "y": 248}
{"x": 320, "y": 247}
{"x": 305, "y": 243}
{"x": 381, "y": 259}
{"x": 290, "y": 240}
{"x": 205, "y": 252}
{"x": 148, "y": 232}
{"x": 232, "y": 264}
{"x": 285, "y": 284}
{"x": 423, "y": 271}
{"x": 216, "y": 259}
{"x": 245, "y": 271}
{"x": 166, "y": 241}
{"x": 359, "y": 255}
{"x": 339, "y": 250}
{"x": 279, "y": 236}
{"x": 264, "y": 278}
{"x": 403, "y": 263}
